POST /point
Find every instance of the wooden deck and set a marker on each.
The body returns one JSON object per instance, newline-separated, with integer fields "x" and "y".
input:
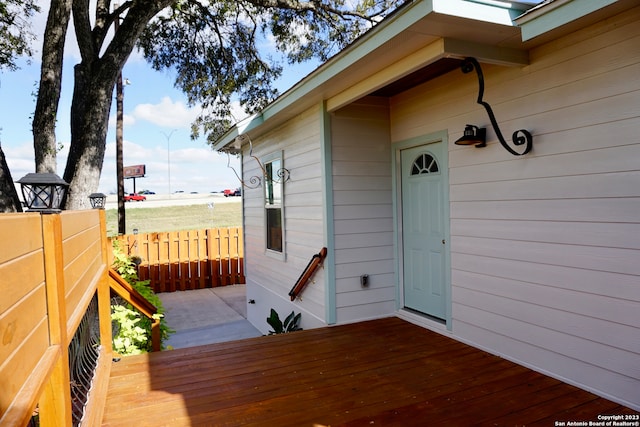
{"x": 383, "y": 372}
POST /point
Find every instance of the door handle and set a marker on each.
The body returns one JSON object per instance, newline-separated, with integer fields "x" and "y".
{"x": 443, "y": 241}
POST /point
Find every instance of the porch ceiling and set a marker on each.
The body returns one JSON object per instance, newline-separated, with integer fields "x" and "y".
{"x": 382, "y": 372}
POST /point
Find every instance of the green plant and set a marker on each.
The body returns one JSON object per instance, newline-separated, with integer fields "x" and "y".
{"x": 131, "y": 330}
{"x": 291, "y": 323}
{"x": 129, "y": 338}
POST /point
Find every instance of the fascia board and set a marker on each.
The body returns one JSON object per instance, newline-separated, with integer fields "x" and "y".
{"x": 557, "y": 14}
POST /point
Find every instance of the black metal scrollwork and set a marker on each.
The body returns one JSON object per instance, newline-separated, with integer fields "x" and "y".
{"x": 519, "y": 137}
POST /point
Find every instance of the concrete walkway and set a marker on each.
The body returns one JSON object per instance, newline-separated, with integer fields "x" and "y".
{"x": 207, "y": 316}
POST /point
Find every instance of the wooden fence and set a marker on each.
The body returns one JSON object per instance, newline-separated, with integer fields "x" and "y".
{"x": 52, "y": 269}
{"x": 186, "y": 260}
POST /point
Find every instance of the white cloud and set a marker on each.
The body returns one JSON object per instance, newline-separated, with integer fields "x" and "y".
{"x": 189, "y": 169}
{"x": 167, "y": 113}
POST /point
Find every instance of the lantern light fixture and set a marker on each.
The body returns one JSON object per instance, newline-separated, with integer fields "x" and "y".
{"x": 98, "y": 200}
{"x": 43, "y": 192}
{"x": 473, "y": 135}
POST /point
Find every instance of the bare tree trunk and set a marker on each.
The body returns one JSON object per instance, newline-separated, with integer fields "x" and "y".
{"x": 44, "y": 119}
{"x": 91, "y": 104}
{"x": 9, "y": 201}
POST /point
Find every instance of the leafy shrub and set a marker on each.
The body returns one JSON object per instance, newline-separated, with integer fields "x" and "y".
{"x": 132, "y": 331}
{"x": 291, "y": 323}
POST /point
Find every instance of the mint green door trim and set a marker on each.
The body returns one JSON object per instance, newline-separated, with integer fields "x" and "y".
{"x": 396, "y": 148}
{"x": 327, "y": 203}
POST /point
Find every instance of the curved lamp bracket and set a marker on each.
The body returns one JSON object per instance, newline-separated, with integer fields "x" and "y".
{"x": 519, "y": 137}
{"x": 255, "y": 181}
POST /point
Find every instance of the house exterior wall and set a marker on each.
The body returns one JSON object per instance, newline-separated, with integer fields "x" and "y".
{"x": 363, "y": 210}
{"x": 270, "y": 278}
{"x": 544, "y": 248}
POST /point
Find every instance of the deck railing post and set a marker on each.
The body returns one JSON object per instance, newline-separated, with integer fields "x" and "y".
{"x": 55, "y": 402}
{"x": 104, "y": 292}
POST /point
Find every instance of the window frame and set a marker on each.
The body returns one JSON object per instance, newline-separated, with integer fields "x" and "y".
{"x": 271, "y": 180}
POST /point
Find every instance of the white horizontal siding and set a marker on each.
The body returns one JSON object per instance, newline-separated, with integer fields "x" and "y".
{"x": 362, "y": 210}
{"x": 269, "y": 277}
{"x": 545, "y": 253}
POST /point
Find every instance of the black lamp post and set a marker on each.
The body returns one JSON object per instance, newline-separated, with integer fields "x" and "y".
{"x": 43, "y": 192}
{"x": 98, "y": 200}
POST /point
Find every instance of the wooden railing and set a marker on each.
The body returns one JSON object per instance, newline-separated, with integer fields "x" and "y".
{"x": 51, "y": 267}
{"x": 307, "y": 273}
{"x": 186, "y": 260}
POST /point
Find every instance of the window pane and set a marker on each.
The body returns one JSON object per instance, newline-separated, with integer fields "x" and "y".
{"x": 273, "y": 186}
{"x": 274, "y": 230}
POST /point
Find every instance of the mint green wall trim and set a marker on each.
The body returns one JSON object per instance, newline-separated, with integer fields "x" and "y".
{"x": 396, "y": 147}
{"x": 554, "y": 16}
{"x": 327, "y": 203}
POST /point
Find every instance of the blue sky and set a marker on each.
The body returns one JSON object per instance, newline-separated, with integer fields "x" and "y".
{"x": 156, "y": 123}
{"x": 156, "y": 116}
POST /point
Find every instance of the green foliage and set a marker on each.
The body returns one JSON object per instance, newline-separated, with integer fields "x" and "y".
{"x": 16, "y": 31}
{"x": 130, "y": 338}
{"x": 291, "y": 323}
{"x": 215, "y": 48}
{"x": 123, "y": 264}
{"x": 132, "y": 330}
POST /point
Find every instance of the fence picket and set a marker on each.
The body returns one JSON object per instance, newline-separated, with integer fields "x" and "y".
{"x": 191, "y": 259}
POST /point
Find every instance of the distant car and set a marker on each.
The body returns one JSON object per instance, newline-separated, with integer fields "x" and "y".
{"x": 230, "y": 193}
{"x": 146, "y": 192}
{"x": 134, "y": 197}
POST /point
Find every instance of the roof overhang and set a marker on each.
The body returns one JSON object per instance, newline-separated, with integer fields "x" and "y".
{"x": 420, "y": 41}
{"x": 554, "y": 18}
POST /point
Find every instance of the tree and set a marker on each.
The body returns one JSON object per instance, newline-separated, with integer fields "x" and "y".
{"x": 15, "y": 41}
{"x": 212, "y": 48}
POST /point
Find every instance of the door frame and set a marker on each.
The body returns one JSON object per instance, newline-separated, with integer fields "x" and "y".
{"x": 396, "y": 175}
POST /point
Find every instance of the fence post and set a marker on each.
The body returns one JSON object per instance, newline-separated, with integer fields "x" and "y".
{"x": 104, "y": 292}
{"x": 55, "y": 403}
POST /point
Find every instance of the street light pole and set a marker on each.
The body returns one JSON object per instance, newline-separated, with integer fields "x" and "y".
{"x": 168, "y": 136}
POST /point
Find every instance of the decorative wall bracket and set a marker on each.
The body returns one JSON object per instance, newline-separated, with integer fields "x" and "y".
{"x": 255, "y": 181}
{"x": 519, "y": 137}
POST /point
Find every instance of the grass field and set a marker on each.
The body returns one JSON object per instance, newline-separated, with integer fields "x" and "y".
{"x": 174, "y": 218}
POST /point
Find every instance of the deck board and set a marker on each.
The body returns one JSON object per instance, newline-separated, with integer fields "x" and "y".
{"x": 381, "y": 372}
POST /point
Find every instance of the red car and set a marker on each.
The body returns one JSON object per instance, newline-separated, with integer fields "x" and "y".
{"x": 134, "y": 197}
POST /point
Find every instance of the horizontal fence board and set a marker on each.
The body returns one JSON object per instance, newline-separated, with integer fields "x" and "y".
{"x": 75, "y": 222}
{"x": 188, "y": 259}
{"x": 18, "y": 367}
{"x": 27, "y": 227}
{"x": 16, "y": 327}
{"x": 25, "y": 271}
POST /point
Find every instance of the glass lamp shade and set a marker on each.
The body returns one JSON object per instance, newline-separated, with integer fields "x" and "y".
{"x": 98, "y": 200}
{"x": 43, "y": 192}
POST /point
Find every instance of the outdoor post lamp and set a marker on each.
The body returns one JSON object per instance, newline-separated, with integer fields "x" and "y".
{"x": 473, "y": 135}
{"x": 43, "y": 192}
{"x": 97, "y": 200}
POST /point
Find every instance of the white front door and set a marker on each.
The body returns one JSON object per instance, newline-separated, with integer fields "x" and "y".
{"x": 423, "y": 229}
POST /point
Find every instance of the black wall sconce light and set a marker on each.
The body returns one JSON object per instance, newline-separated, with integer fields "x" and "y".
{"x": 473, "y": 135}
{"x": 477, "y": 136}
